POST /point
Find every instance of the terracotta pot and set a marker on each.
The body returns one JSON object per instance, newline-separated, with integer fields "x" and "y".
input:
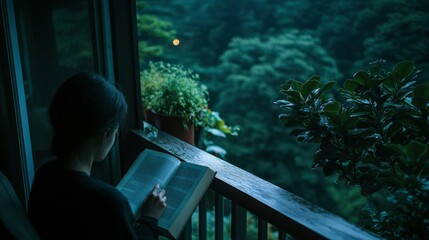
{"x": 173, "y": 125}
{"x": 148, "y": 116}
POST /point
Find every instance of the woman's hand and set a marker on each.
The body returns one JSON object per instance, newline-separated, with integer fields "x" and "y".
{"x": 155, "y": 204}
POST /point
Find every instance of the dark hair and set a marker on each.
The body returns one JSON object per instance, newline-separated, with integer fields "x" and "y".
{"x": 84, "y": 105}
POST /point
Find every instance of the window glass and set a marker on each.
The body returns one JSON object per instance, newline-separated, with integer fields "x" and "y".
{"x": 244, "y": 50}
{"x": 55, "y": 42}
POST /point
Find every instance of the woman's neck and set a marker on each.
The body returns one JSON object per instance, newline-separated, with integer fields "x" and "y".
{"x": 78, "y": 165}
{"x": 80, "y": 160}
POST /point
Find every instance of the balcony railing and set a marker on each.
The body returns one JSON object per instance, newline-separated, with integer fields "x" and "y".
{"x": 290, "y": 214}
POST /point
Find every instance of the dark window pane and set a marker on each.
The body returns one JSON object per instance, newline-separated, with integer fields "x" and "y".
{"x": 55, "y": 42}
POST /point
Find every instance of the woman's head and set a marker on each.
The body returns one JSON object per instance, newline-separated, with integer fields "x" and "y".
{"x": 84, "y": 106}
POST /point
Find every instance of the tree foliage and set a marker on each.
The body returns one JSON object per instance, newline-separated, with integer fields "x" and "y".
{"x": 250, "y": 69}
{"x": 408, "y": 28}
{"x": 243, "y": 50}
{"x": 151, "y": 30}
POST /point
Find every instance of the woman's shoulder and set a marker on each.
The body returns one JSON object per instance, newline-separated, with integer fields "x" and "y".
{"x": 104, "y": 188}
{"x": 47, "y": 173}
{"x": 105, "y": 192}
{"x": 78, "y": 183}
{"x": 105, "y": 196}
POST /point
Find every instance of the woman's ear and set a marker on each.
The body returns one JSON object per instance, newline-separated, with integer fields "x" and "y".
{"x": 106, "y": 140}
{"x": 108, "y": 133}
{"x": 105, "y": 135}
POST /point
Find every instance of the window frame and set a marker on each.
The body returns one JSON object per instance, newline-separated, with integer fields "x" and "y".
{"x": 21, "y": 172}
{"x": 126, "y": 68}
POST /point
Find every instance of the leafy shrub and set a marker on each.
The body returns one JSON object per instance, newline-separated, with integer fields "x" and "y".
{"x": 376, "y": 138}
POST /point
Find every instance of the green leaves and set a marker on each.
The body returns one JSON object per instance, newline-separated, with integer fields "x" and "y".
{"x": 351, "y": 85}
{"x": 376, "y": 136}
{"x": 421, "y": 91}
{"x": 416, "y": 151}
{"x": 171, "y": 90}
{"x": 413, "y": 153}
{"x": 307, "y": 92}
{"x": 332, "y": 111}
{"x": 294, "y": 96}
{"x": 333, "y": 106}
{"x": 421, "y": 96}
{"x": 361, "y": 77}
{"x": 308, "y": 87}
{"x": 328, "y": 86}
{"x": 403, "y": 69}
{"x": 303, "y": 102}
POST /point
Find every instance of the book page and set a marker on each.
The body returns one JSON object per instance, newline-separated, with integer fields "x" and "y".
{"x": 150, "y": 168}
{"x": 179, "y": 190}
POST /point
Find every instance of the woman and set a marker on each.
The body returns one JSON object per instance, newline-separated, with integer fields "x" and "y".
{"x": 65, "y": 202}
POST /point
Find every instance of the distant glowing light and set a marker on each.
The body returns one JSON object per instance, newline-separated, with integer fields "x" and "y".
{"x": 176, "y": 42}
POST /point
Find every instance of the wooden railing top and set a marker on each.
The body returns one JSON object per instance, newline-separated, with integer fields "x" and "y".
{"x": 277, "y": 206}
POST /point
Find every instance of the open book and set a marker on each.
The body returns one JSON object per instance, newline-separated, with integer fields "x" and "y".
{"x": 185, "y": 185}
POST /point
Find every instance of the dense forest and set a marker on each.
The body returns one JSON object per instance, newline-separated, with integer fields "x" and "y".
{"x": 244, "y": 50}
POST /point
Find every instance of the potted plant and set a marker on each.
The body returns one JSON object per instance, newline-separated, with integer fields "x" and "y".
{"x": 375, "y": 137}
{"x": 175, "y": 101}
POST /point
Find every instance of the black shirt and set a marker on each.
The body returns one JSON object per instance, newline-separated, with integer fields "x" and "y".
{"x": 71, "y": 205}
